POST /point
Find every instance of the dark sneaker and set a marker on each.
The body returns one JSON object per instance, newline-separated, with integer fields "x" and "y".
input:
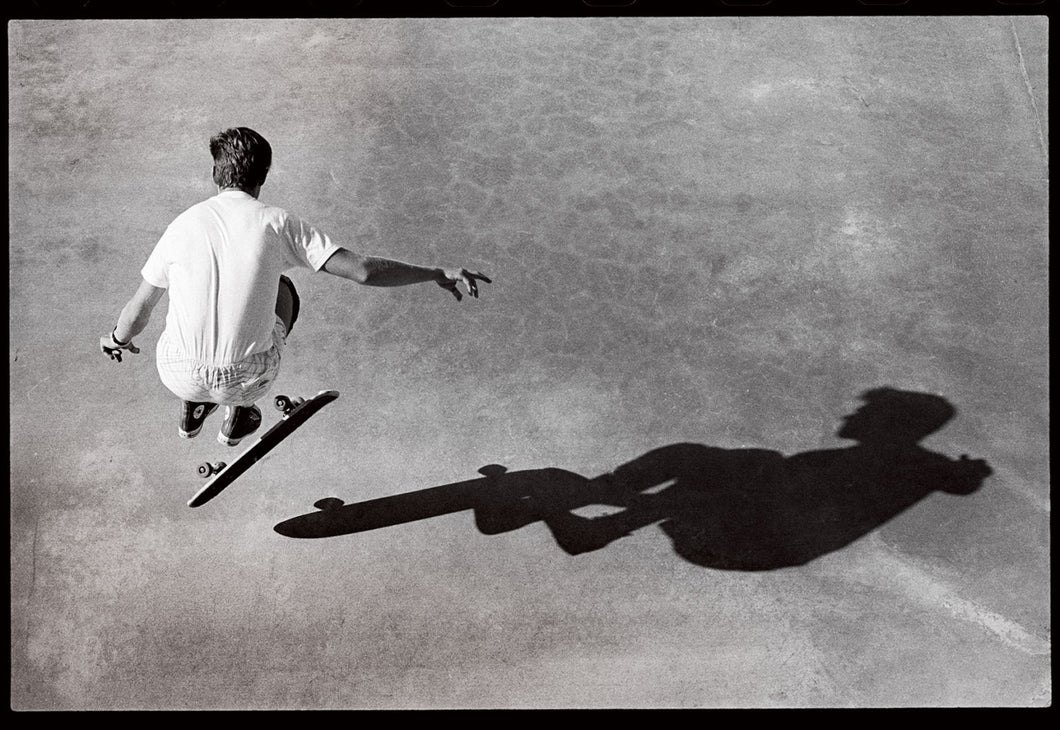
{"x": 192, "y": 416}
{"x": 240, "y": 422}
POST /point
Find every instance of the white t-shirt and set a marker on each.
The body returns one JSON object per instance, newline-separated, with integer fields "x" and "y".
{"x": 221, "y": 261}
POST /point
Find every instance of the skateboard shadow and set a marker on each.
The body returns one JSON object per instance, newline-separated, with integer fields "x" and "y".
{"x": 736, "y": 509}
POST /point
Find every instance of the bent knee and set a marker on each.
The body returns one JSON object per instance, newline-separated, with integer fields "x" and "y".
{"x": 288, "y": 303}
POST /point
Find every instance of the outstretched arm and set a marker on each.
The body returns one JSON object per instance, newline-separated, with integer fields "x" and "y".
{"x": 133, "y": 319}
{"x": 376, "y": 271}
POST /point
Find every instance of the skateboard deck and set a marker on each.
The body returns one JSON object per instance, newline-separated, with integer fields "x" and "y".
{"x": 295, "y": 413}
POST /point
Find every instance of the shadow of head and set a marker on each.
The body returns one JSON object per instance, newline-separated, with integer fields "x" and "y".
{"x": 896, "y": 417}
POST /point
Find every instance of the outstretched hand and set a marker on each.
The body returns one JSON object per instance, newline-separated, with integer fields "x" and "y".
{"x": 452, "y": 278}
{"x": 108, "y": 346}
{"x": 973, "y": 468}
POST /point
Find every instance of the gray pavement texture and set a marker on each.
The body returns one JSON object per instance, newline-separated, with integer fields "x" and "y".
{"x": 625, "y": 476}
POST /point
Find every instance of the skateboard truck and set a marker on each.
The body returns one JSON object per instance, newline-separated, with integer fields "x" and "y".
{"x": 286, "y": 404}
{"x": 206, "y": 469}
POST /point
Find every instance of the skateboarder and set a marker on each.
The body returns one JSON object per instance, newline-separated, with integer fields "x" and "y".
{"x": 231, "y": 308}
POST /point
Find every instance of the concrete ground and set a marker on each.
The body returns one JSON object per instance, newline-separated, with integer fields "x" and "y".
{"x": 709, "y": 239}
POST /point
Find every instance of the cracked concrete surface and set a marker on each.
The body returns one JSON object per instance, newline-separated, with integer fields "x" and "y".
{"x": 715, "y": 232}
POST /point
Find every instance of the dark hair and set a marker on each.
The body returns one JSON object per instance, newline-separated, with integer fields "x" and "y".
{"x": 241, "y": 158}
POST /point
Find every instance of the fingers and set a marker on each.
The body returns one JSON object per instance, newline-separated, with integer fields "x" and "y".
{"x": 450, "y": 286}
{"x": 468, "y": 278}
{"x": 114, "y": 353}
{"x": 108, "y": 351}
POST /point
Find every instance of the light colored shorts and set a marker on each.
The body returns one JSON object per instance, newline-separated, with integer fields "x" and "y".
{"x": 239, "y": 384}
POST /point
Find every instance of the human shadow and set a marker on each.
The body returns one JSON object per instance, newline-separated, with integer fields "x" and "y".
{"x": 736, "y": 509}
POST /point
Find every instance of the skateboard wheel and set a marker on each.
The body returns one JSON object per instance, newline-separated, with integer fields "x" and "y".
{"x": 206, "y": 469}
{"x": 282, "y": 402}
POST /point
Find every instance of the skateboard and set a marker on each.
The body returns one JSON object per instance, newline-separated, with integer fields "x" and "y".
{"x": 295, "y": 413}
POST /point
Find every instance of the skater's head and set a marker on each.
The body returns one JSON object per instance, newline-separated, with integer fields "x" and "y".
{"x": 896, "y": 416}
{"x": 241, "y": 159}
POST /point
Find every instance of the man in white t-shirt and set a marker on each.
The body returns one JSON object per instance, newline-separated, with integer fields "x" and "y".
{"x": 231, "y": 307}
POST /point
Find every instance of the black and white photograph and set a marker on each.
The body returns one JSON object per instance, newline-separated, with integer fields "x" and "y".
{"x": 529, "y": 362}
